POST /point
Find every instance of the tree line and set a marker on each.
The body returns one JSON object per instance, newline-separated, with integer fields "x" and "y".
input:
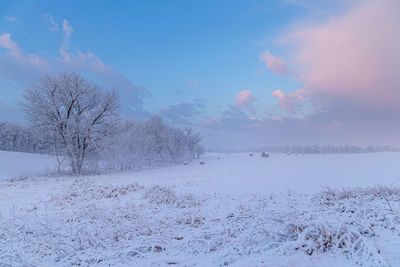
{"x": 74, "y": 118}
{"x": 322, "y": 149}
{"x": 19, "y": 138}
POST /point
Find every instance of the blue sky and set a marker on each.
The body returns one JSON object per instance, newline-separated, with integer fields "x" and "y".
{"x": 162, "y": 45}
{"x": 195, "y": 63}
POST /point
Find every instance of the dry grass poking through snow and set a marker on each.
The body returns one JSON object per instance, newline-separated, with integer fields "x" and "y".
{"x": 90, "y": 224}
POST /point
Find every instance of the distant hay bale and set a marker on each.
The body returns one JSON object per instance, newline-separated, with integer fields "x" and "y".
{"x": 264, "y": 155}
{"x": 251, "y": 154}
{"x": 185, "y": 163}
{"x": 202, "y": 162}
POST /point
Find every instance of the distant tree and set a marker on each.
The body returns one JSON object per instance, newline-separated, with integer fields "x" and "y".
{"x": 151, "y": 143}
{"x": 75, "y": 109}
{"x": 193, "y": 143}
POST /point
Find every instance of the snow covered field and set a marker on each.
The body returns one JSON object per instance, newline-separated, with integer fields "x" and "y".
{"x": 234, "y": 210}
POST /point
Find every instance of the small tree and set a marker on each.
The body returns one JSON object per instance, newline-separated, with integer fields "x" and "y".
{"x": 75, "y": 109}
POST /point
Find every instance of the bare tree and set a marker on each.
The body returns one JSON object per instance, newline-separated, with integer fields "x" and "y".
{"x": 151, "y": 143}
{"x": 81, "y": 114}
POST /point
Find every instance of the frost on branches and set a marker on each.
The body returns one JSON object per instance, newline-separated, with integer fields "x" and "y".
{"x": 80, "y": 114}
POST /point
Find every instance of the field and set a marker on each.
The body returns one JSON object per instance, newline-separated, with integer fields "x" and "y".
{"x": 285, "y": 210}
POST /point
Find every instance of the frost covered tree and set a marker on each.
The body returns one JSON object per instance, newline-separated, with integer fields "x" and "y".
{"x": 76, "y": 110}
{"x": 151, "y": 143}
{"x": 10, "y": 134}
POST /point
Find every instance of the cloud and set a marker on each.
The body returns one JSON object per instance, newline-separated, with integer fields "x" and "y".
{"x": 245, "y": 99}
{"x": 354, "y": 57}
{"x": 67, "y": 29}
{"x": 53, "y": 26}
{"x": 211, "y": 120}
{"x": 11, "y": 47}
{"x": 17, "y": 67}
{"x": 349, "y": 66}
{"x": 10, "y": 19}
{"x": 290, "y": 102}
{"x": 273, "y": 63}
{"x": 182, "y": 113}
{"x": 14, "y": 51}
{"x": 23, "y": 69}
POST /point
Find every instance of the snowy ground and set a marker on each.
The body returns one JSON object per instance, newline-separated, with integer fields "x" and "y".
{"x": 234, "y": 210}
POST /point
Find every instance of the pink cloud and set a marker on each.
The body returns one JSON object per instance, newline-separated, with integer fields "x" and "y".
{"x": 245, "y": 99}
{"x": 349, "y": 66}
{"x": 273, "y": 63}
{"x": 255, "y": 118}
{"x": 276, "y": 119}
{"x": 211, "y": 121}
{"x": 279, "y": 94}
{"x": 289, "y": 102}
{"x": 354, "y": 57}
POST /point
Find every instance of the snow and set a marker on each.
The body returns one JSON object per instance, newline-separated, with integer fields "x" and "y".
{"x": 234, "y": 209}
{"x": 242, "y": 174}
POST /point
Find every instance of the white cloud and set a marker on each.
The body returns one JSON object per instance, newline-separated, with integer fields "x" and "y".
{"x": 67, "y": 29}
{"x": 11, "y": 47}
